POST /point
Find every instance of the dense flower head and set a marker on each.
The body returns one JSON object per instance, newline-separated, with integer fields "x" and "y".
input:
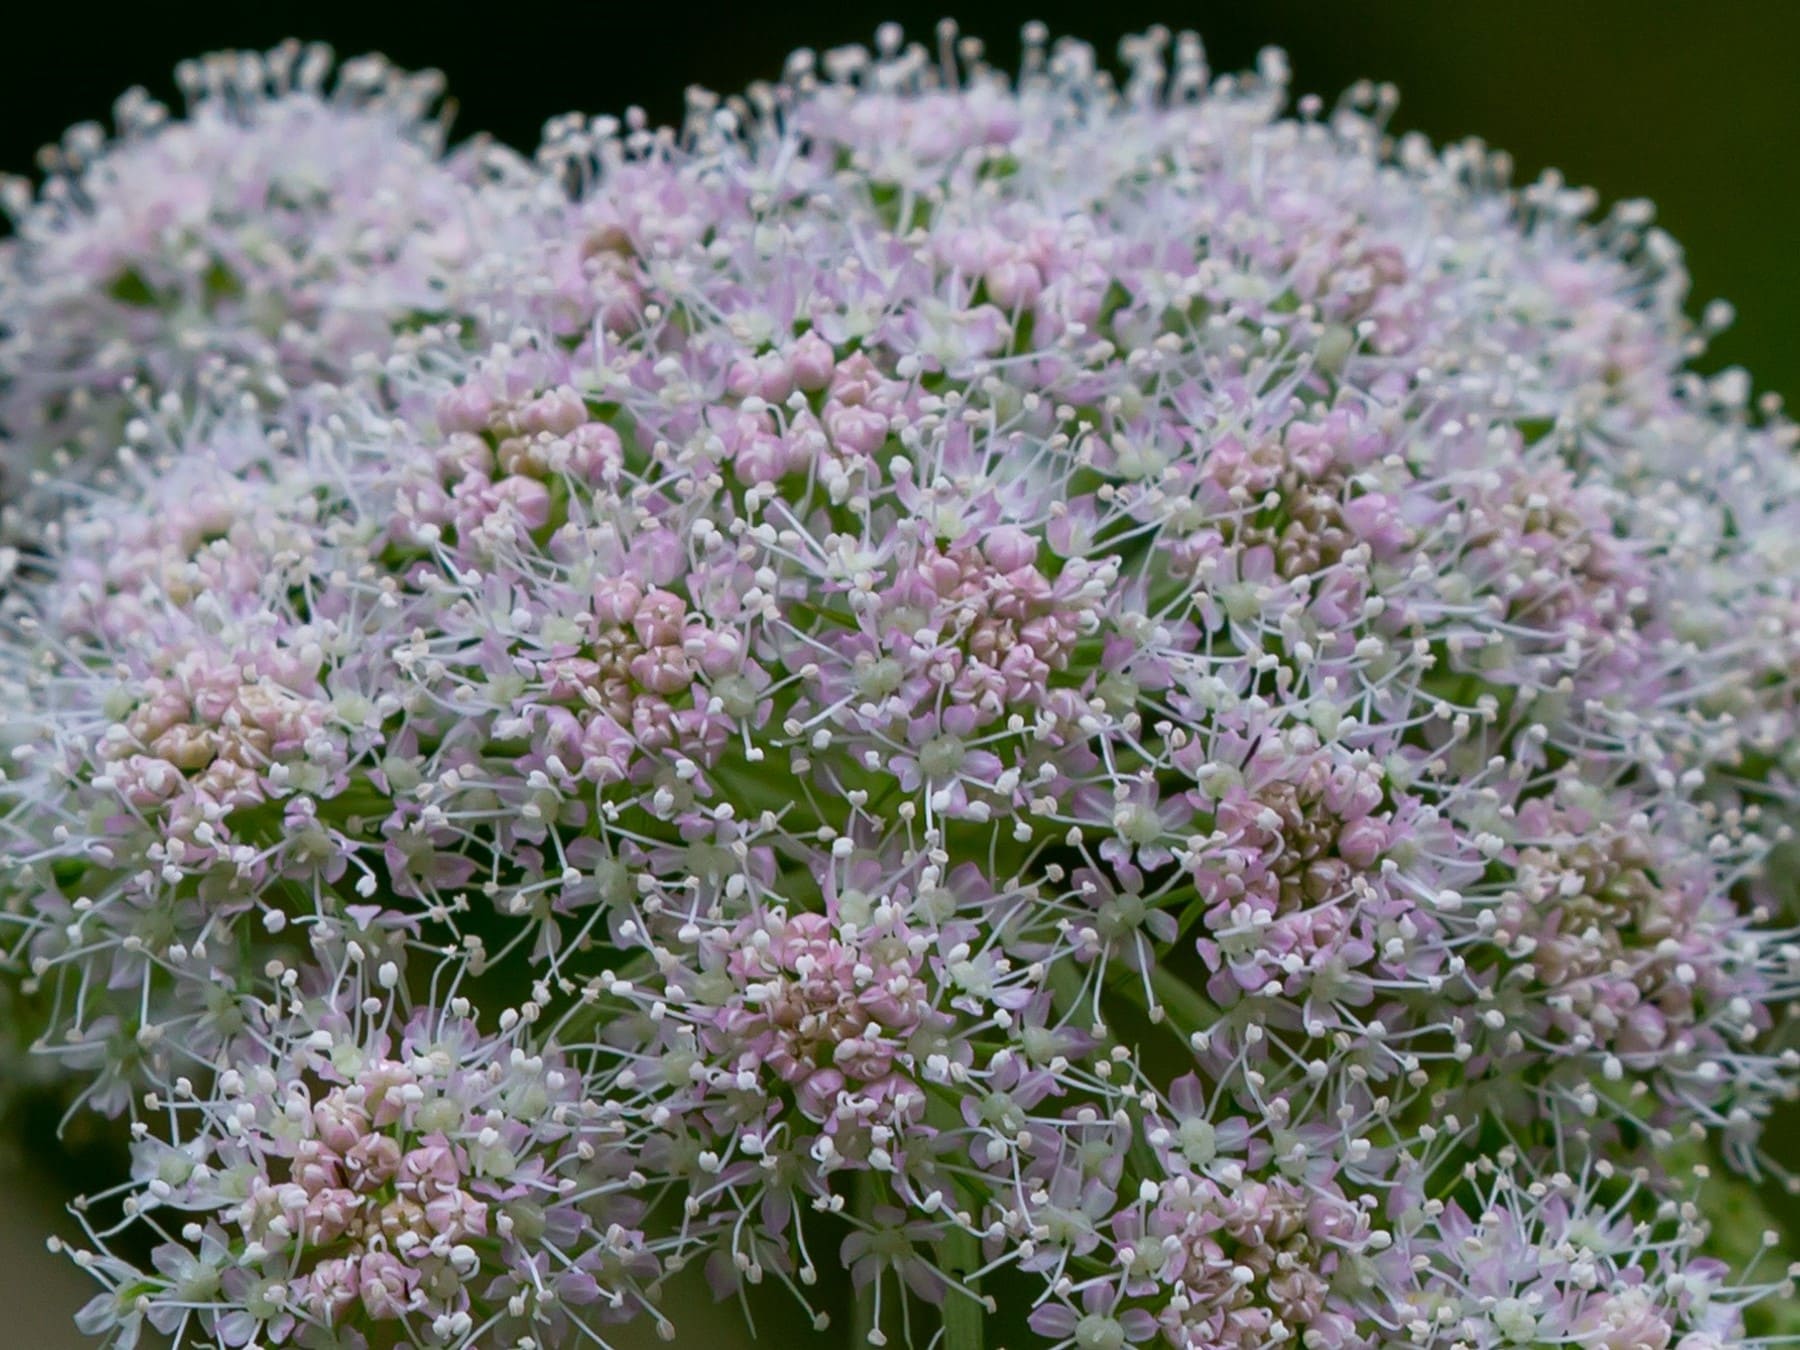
{"x": 353, "y": 1164}
{"x": 1550, "y": 1257}
{"x": 291, "y": 220}
{"x": 1048, "y": 684}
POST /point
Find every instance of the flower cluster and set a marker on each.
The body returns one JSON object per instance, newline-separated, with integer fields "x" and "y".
{"x": 289, "y": 223}
{"x": 360, "y": 1165}
{"x": 1092, "y": 702}
{"x": 1562, "y": 1259}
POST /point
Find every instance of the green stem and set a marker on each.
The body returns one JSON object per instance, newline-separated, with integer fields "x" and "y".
{"x": 862, "y": 1314}
{"x": 959, "y": 1254}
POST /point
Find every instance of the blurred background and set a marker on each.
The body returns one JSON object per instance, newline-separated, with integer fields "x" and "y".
{"x": 1693, "y": 105}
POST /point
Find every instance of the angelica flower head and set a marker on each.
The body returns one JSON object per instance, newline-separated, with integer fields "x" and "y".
{"x": 1525, "y": 1257}
{"x": 1049, "y": 683}
{"x": 292, "y": 219}
{"x": 354, "y": 1164}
